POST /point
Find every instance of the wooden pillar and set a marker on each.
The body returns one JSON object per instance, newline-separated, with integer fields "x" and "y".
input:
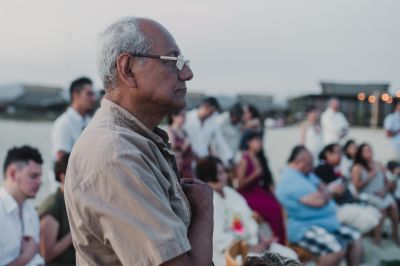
{"x": 375, "y": 111}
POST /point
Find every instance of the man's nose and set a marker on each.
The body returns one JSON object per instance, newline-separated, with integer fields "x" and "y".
{"x": 186, "y": 73}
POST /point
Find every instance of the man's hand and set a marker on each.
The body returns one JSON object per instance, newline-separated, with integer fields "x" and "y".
{"x": 199, "y": 194}
{"x": 266, "y": 242}
{"x": 29, "y": 248}
{"x": 337, "y": 189}
{"x": 381, "y": 193}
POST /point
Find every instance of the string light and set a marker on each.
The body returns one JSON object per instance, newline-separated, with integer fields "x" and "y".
{"x": 372, "y": 99}
{"x": 361, "y": 96}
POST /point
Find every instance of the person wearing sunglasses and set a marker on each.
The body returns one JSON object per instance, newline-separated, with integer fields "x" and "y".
{"x": 124, "y": 198}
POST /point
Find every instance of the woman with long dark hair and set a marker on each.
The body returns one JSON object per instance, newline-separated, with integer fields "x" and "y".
{"x": 256, "y": 185}
{"x": 369, "y": 178}
{"x": 251, "y": 118}
{"x": 349, "y": 211}
{"x": 349, "y": 153}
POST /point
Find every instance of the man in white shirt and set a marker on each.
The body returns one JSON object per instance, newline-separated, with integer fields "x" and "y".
{"x": 334, "y": 124}
{"x": 19, "y": 222}
{"x": 392, "y": 130}
{"x": 69, "y": 126}
{"x": 204, "y": 134}
{"x": 229, "y": 123}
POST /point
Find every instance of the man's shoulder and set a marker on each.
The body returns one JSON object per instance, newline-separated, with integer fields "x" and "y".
{"x": 101, "y": 147}
{"x": 64, "y": 117}
{"x": 290, "y": 179}
{"x": 390, "y": 116}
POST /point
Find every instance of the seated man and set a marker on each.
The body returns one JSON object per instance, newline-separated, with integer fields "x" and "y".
{"x": 19, "y": 222}
{"x": 312, "y": 220}
{"x": 56, "y": 241}
{"x": 233, "y": 218}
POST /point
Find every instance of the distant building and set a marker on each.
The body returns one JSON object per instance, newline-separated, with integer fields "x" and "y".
{"x": 265, "y": 104}
{"x": 25, "y": 100}
{"x": 354, "y": 99}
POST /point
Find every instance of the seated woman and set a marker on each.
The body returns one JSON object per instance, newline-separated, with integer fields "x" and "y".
{"x": 312, "y": 220}
{"x": 55, "y": 237}
{"x": 349, "y": 153}
{"x": 349, "y": 212}
{"x": 369, "y": 178}
{"x": 256, "y": 185}
{"x": 233, "y": 219}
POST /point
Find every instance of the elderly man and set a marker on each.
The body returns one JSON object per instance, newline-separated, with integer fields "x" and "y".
{"x": 312, "y": 220}
{"x": 19, "y": 222}
{"x": 124, "y": 199}
{"x": 334, "y": 124}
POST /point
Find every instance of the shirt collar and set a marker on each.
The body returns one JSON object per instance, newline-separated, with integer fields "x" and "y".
{"x": 8, "y": 201}
{"x": 158, "y": 136}
{"x": 75, "y": 115}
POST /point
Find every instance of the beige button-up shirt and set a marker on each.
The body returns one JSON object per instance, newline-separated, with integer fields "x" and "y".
{"x": 123, "y": 197}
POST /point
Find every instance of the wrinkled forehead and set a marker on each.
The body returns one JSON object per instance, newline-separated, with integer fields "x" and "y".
{"x": 162, "y": 41}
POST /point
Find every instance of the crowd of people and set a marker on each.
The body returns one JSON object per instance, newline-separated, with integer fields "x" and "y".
{"x": 124, "y": 204}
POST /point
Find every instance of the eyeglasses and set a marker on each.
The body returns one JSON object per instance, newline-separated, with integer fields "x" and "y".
{"x": 181, "y": 61}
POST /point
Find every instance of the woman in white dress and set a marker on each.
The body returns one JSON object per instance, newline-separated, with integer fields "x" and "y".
{"x": 349, "y": 151}
{"x": 311, "y": 133}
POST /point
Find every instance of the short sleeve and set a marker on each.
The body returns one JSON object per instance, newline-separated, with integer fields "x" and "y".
{"x": 50, "y": 207}
{"x": 125, "y": 206}
{"x": 61, "y": 138}
{"x": 298, "y": 187}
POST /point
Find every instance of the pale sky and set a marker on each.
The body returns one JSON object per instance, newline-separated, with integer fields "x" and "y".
{"x": 277, "y": 47}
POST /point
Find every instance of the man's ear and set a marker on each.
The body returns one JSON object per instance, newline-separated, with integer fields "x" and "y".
{"x": 11, "y": 172}
{"x": 75, "y": 95}
{"x": 125, "y": 70}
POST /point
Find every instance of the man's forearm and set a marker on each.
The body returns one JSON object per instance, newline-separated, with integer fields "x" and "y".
{"x": 20, "y": 261}
{"x": 200, "y": 238}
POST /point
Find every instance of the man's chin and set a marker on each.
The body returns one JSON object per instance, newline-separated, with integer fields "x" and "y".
{"x": 32, "y": 195}
{"x": 179, "y": 104}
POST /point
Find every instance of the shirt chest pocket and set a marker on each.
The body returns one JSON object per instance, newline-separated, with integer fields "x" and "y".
{"x": 10, "y": 239}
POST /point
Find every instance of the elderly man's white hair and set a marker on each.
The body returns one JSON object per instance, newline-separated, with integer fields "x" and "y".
{"x": 123, "y": 36}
